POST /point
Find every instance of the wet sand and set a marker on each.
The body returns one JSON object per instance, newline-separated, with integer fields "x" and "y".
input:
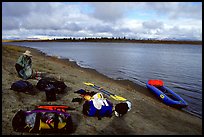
{"x": 148, "y": 115}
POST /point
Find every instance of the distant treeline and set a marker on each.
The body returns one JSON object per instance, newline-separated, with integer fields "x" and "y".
{"x": 104, "y": 39}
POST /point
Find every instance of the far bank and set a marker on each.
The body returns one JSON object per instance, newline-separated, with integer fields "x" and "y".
{"x": 111, "y": 40}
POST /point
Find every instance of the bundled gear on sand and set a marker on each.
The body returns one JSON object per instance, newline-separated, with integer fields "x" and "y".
{"x": 42, "y": 120}
{"x": 22, "y": 86}
{"x": 51, "y": 86}
{"x": 47, "y": 83}
{"x": 98, "y": 106}
{"x": 122, "y": 108}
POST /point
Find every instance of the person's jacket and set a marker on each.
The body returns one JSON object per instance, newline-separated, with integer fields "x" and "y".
{"x": 24, "y": 62}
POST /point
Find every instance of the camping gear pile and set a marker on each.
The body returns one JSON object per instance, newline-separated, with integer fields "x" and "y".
{"x": 50, "y": 86}
{"x": 98, "y": 106}
{"x": 95, "y": 104}
{"x": 43, "y": 118}
{"x": 54, "y": 118}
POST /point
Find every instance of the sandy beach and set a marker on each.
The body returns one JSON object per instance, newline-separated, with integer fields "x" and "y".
{"x": 148, "y": 115}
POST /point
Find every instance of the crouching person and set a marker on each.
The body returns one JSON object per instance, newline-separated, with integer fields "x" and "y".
{"x": 98, "y": 107}
{"x": 24, "y": 65}
{"x": 122, "y": 108}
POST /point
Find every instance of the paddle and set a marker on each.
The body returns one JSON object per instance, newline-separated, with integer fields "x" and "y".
{"x": 105, "y": 92}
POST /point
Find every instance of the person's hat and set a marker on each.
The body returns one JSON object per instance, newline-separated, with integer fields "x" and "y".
{"x": 27, "y": 53}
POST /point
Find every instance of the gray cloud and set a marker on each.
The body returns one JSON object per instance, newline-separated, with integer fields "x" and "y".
{"x": 100, "y": 28}
{"x": 105, "y": 19}
{"x": 9, "y": 23}
{"x": 153, "y": 24}
{"x": 73, "y": 27}
{"x": 175, "y": 10}
{"x": 109, "y": 11}
{"x": 181, "y": 33}
{"x": 16, "y": 9}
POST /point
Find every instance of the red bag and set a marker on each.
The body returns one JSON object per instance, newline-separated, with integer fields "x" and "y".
{"x": 156, "y": 83}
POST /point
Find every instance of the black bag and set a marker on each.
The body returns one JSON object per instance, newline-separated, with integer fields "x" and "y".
{"x": 22, "y": 86}
{"x": 121, "y": 108}
{"x": 50, "y": 92}
{"x": 58, "y": 86}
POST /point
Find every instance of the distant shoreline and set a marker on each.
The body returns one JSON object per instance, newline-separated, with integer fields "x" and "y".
{"x": 112, "y": 41}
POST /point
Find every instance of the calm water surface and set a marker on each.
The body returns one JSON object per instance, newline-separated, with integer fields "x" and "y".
{"x": 179, "y": 66}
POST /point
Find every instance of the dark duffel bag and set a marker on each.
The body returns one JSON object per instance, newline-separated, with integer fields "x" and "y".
{"x": 42, "y": 120}
{"x": 22, "y": 86}
{"x": 47, "y": 82}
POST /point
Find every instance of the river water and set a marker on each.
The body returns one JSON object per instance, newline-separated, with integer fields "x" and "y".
{"x": 178, "y": 65}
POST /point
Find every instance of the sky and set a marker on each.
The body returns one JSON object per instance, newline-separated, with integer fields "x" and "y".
{"x": 137, "y": 20}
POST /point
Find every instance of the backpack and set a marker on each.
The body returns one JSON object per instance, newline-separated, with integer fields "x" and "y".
{"x": 22, "y": 86}
{"x": 42, "y": 120}
{"x": 47, "y": 83}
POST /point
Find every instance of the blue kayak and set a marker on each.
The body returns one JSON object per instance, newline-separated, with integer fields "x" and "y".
{"x": 168, "y": 96}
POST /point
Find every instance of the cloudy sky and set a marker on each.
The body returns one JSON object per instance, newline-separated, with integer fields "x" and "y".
{"x": 160, "y": 20}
